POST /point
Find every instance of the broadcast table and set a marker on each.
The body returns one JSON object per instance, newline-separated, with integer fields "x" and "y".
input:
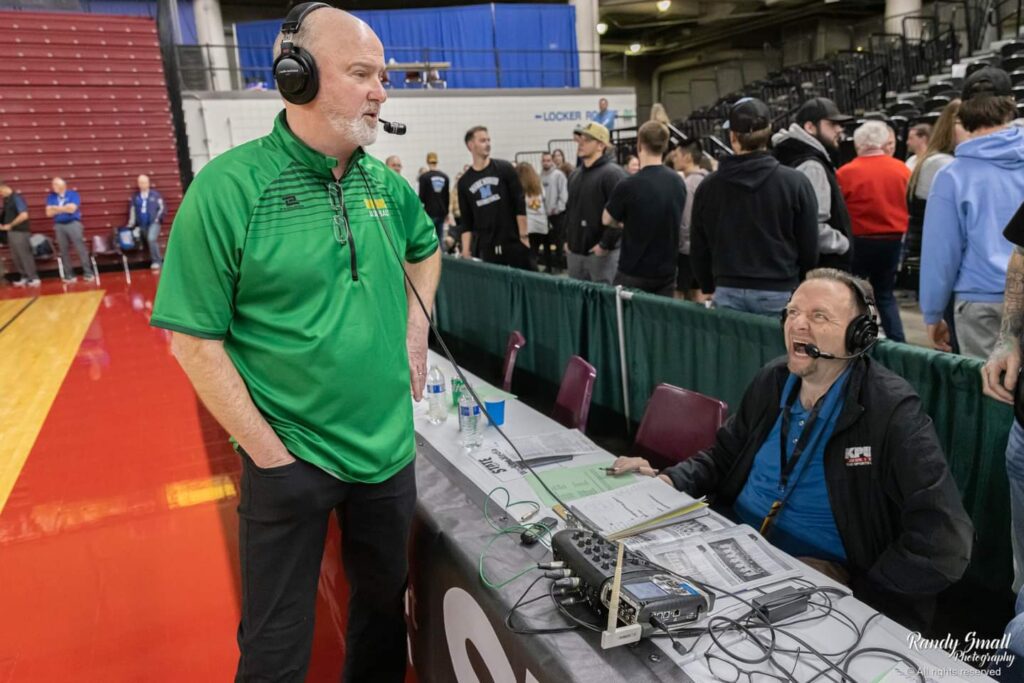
{"x": 457, "y": 624}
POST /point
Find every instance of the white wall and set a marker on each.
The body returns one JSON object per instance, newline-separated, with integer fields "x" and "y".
{"x": 518, "y": 120}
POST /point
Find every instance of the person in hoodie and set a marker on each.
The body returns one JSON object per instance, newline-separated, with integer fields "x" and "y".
{"x": 754, "y": 227}
{"x": 592, "y": 248}
{"x": 808, "y": 145}
{"x": 964, "y": 253}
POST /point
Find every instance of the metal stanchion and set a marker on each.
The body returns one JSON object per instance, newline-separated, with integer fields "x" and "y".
{"x": 620, "y": 296}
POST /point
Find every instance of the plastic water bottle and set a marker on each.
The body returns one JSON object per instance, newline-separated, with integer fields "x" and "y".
{"x": 470, "y": 421}
{"x": 437, "y": 408}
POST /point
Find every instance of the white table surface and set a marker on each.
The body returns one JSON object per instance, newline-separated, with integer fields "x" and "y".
{"x": 827, "y": 634}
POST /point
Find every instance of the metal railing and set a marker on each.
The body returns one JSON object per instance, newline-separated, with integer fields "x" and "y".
{"x": 220, "y": 67}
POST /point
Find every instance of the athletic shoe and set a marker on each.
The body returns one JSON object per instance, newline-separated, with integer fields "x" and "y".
{"x": 155, "y": 266}
{"x": 34, "y": 283}
{"x": 69, "y": 280}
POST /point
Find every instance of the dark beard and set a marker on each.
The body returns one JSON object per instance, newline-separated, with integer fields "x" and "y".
{"x": 829, "y": 146}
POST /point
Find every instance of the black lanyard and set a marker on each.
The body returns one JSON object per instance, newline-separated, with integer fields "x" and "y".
{"x": 787, "y": 465}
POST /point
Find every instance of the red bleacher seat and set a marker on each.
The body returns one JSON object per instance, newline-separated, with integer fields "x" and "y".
{"x": 84, "y": 97}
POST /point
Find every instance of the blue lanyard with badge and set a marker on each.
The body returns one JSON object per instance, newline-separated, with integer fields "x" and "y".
{"x": 787, "y": 465}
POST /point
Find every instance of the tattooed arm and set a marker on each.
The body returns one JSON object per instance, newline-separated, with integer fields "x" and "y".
{"x": 1005, "y": 357}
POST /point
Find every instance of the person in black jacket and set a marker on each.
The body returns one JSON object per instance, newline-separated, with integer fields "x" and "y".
{"x": 434, "y": 192}
{"x": 754, "y": 225}
{"x": 592, "y": 248}
{"x": 863, "y": 492}
{"x": 808, "y": 145}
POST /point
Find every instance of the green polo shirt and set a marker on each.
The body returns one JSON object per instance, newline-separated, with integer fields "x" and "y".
{"x": 313, "y": 315}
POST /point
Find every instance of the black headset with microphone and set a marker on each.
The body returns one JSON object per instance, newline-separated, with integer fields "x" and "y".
{"x": 861, "y": 333}
{"x": 295, "y": 70}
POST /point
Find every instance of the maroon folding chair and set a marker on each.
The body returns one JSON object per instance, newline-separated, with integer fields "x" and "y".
{"x": 677, "y": 425}
{"x": 573, "y": 402}
{"x": 516, "y": 341}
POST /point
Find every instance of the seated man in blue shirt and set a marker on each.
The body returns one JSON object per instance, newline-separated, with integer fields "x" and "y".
{"x": 832, "y": 457}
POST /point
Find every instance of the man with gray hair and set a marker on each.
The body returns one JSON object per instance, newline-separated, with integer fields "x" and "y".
{"x": 874, "y": 187}
{"x": 303, "y": 220}
{"x": 64, "y": 206}
{"x": 146, "y": 209}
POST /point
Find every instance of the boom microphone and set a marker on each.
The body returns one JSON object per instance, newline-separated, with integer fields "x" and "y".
{"x": 394, "y": 128}
{"x": 814, "y": 352}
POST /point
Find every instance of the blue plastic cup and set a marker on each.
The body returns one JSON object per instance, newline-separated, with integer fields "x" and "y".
{"x": 496, "y": 409}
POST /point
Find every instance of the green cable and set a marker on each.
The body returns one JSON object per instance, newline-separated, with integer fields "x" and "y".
{"x": 515, "y": 529}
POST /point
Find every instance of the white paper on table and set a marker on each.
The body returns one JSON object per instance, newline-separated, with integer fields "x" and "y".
{"x": 567, "y": 442}
{"x": 734, "y": 559}
{"x": 495, "y": 462}
{"x": 621, "y": 509}
{"x": 671, "y": 536}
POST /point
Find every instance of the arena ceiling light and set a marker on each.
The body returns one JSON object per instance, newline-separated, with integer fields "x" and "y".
{"x": 663, "y": 5}
{"x": 634, "y": 48}
{"x": 602, "y": 28}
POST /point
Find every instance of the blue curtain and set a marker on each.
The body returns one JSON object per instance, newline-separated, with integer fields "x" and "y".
{"x": 537, "y": 46}
{"x": 533, "y": 45}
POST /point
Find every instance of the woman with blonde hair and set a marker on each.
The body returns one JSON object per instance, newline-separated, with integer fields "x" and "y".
{"x": 660, "y": 114}
{"x": 536, "y": 219}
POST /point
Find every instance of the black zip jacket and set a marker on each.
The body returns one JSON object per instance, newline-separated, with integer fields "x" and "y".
{"x": 589, "y": 191}
{"x": 754, "y": 226}
{"x": 897, "y": 509}
{"x": 793, "y": 153}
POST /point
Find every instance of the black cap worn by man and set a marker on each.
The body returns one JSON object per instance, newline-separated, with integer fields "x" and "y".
{"x": 818, "y": 109}
{"x": 749, "y": 114}
{"x": 989, "y": 81}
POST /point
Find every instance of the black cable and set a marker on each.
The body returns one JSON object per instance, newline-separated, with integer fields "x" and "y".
{"x": 519, "y": 603}
{"x": 451, "y": 358}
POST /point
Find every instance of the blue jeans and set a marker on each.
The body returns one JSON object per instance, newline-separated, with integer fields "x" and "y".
{"x": 153, "y": 239}
{"x": 760, "y": 301}
{"x": 877, "y": 260}
{"x": 1015, "y": 473}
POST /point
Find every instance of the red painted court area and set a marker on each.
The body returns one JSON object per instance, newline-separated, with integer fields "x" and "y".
{"x": 118, "y": 544}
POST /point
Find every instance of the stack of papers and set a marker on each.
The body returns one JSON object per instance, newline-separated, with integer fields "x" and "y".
{"x": 648, "y": 504}
{"x": 565, "y": 442}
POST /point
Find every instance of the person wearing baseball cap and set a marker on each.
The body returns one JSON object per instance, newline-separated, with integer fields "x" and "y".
{"x": 754, "y": 224}
{"x": 435, "y": 193}
{"x": 808, "y": 145}
{"x": 593, "y": 247}
{"x": 964, "y": 254}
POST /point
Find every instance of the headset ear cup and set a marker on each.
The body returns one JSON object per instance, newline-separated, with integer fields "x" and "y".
{"x": 296, "y": 76}
{"x": 861, "y": 333}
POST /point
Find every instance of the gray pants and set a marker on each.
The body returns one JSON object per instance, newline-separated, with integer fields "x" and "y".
{"x": 977, "y": 326}
{"x": 21, "y": 254}
{"x": 594, "y": 268}
{"x": 73, "y": 231}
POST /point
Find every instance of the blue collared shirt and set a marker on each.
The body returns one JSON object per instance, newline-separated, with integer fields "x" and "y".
{"x": 606, "y": 119}
{"x": 806, "y": 525}
{"x": 69, "y": 197}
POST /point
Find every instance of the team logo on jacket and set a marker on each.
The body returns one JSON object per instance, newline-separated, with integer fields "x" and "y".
{"x": 376, "y": 207}
{"x": 858, "y": 455}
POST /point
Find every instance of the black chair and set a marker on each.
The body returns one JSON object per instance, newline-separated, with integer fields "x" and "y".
{"x": 1011, "y": 49}
{"x": 935, "y": 103}
{"x": 941, "y": 88}
{"x": 975, "y": 66}
{"x": 1013, "y": 63}
{"x": 1017, "y": 77}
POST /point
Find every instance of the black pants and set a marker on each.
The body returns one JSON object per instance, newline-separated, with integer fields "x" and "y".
{"x": 556, "y": 237}
{"x": 877, "y": 260}
{"x": 283, "y": 517}
{"x": 513, "y": 254}
{"x": 662, "y": 286}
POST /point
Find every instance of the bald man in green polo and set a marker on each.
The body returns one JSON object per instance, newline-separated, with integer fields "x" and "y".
{"x": 283, "y": 286}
